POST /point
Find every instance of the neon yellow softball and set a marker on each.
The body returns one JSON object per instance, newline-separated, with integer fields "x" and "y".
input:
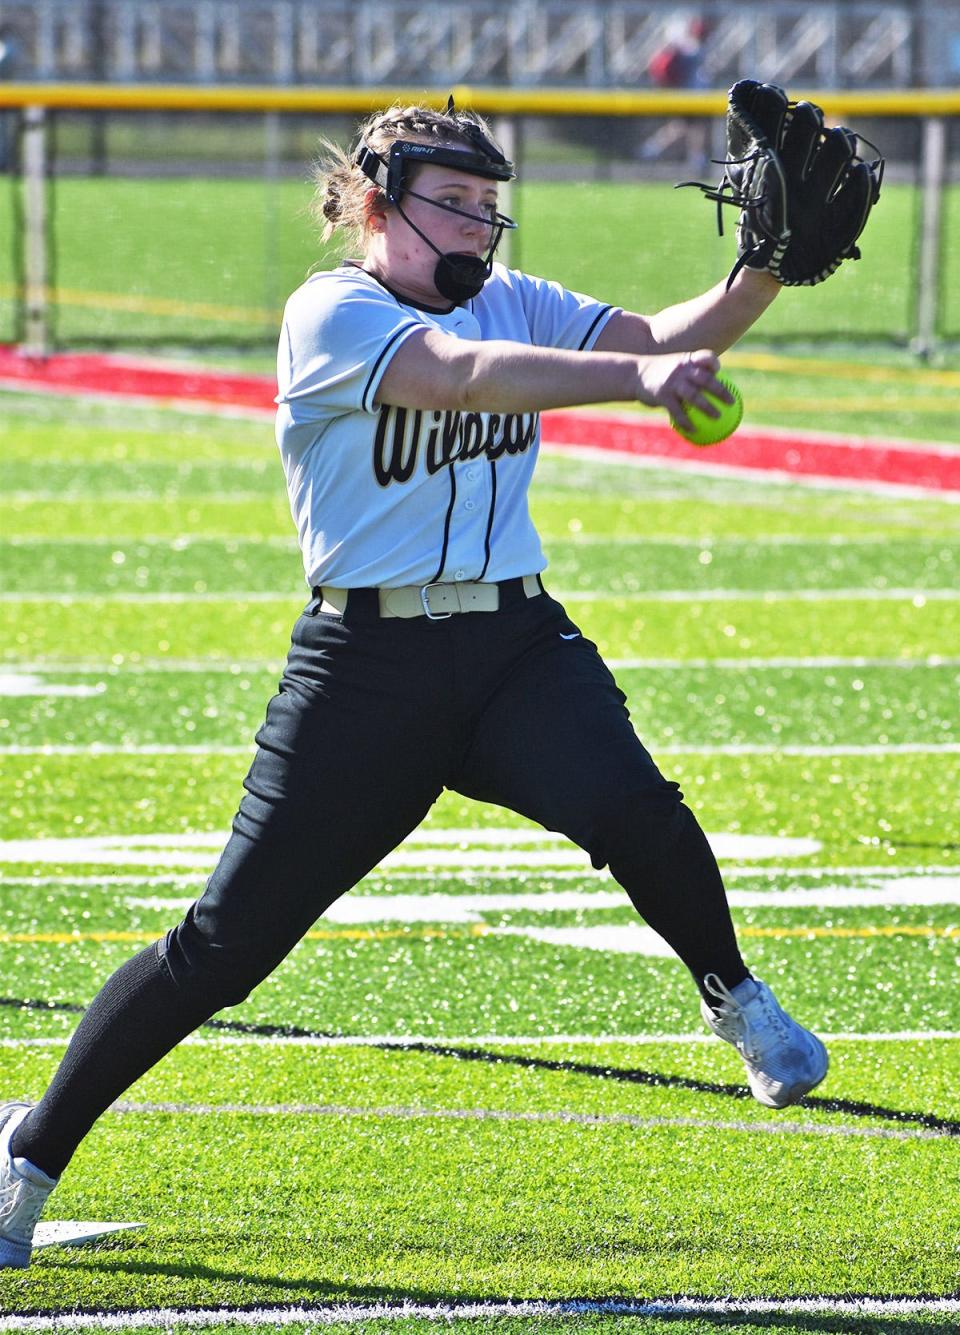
{"x": 710, "y": 430}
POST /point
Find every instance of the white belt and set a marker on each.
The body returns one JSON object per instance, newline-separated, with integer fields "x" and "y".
{"x": 436, "y": 601}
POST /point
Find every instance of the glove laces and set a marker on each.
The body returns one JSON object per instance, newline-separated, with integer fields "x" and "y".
{"x": 726, "y": 192}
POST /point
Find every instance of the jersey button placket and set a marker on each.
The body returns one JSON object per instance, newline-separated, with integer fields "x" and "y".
{"x": 471, "y": 483}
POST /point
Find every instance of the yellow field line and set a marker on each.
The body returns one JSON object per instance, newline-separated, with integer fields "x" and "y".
{"x": 320, "y": 934}
{"x": 395, "y": 933}
{"x": 854, "y": 933}
{"x": 67, "y": 938}
{"x": 138, "y": 305}
{"x": 165, "y": 306}
{"x": 947, "y": 406}
{"x": 842, "y": 370}
{"x": 770, "y": 362}
{"x": 475, "y": 930}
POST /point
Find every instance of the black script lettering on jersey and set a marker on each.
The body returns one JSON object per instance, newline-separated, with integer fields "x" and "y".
{"x": 519, "y": 430}
{"x": 449, "y": 437}
{"x": 395, "y": 462}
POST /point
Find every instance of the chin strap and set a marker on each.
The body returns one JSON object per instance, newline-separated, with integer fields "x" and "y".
{"x": 452, "y": 260}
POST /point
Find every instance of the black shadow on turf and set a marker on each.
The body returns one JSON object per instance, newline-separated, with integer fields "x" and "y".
{"x": 852, "y": 1107}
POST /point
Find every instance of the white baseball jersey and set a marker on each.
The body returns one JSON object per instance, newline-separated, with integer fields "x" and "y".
{"x": 384, "y": 496}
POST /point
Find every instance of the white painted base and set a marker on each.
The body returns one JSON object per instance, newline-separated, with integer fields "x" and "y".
{"x": 74, "y": 1232}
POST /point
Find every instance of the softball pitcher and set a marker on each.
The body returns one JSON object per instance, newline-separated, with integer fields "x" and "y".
{"x": 430, "y": 653}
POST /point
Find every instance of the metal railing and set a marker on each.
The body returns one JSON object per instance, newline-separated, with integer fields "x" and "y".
{"x": 525, "y": 43}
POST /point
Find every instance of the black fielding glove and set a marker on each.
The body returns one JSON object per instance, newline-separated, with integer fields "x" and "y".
{"x": 803, "y": 191}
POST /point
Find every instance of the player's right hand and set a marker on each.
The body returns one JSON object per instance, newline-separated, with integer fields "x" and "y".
{"x": 675, "y": 380}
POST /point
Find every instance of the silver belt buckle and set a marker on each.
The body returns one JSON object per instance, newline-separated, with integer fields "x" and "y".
{"x": 425, "y": 602}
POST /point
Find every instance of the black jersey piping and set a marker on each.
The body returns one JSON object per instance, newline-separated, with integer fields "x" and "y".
{"x": 446, "y": 525}
{"x": 587, "y": 336}
{"x": 397, "y": 333}
{"x": 493, "y": 506}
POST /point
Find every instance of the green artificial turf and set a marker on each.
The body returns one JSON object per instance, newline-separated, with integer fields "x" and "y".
{"x": 354, "y": 1207}
{"x": 211, "y": 262}
{"x": 610, "y": 565}
{"x": 222, "y": 627}
{"x": 442, "y": 975}
{"x": 457, "y": 1170}
{"x": 195, "y": 259}
{"x": 573, "y": 1210}
{"x": 864, "y": 809}
{"x": 674, "y": 706}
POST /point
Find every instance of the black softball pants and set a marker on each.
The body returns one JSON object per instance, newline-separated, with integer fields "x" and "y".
{"x": 374, "y": 717}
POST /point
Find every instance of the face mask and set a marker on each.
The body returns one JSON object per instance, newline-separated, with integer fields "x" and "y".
{"x": 457, "y": 276}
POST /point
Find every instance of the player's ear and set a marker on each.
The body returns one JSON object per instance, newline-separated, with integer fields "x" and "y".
{"x": 375, "y": 209}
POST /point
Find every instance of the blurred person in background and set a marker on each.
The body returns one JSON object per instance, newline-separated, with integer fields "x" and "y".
{"x": 679, "y": 64}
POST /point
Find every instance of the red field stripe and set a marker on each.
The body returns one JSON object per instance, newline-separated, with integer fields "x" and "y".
{"x": 86, "y": 373}
{"x": 799, "y": 453}
{"x": 856, "y": 459}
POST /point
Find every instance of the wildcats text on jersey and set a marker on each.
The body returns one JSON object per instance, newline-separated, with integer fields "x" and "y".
{"x": 446, "y": 438}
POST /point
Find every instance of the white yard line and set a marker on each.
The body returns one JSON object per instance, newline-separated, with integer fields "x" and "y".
{"x": 224, "y": 596}
{"x": 190, "y": 407}
{"x": 709, "y": 543}
{"x": 673, "y": 749}
{"x": 25, "y": 683}
{"x": 774, "y": 749}
{"x": 916, "y": 596}
{"x": 104, "y": 667}
{"x": 235, "y": 667}
{"x": 44, "y": 496}
{"x": 147, "y": 749}
{"x": 76, "y": 882}
{"x": 183, "y": 541}
{"x": 773, "y": 664}
{"x": 457, "y": 846}
{"x": 223, "y": 1039}
{"x": 454, "y": 848}
{"x": 459, "y": 908}
{"x": 313, "y": 1315}
{"x": 467, "y": 875}
{"x": 578, "y": 539}
{"x": 561, "y": 1115}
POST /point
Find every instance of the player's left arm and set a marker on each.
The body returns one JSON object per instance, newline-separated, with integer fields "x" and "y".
{"x": 716, "y": 319}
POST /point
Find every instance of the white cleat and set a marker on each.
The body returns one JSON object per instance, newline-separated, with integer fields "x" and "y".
{"x": 23, "y": 1193}
{"x": 784, "y": 1061}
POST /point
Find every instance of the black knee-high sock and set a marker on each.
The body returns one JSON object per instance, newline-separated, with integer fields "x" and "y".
{"x": 683, "y": 898}
{"x": 136, "y": 1018}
